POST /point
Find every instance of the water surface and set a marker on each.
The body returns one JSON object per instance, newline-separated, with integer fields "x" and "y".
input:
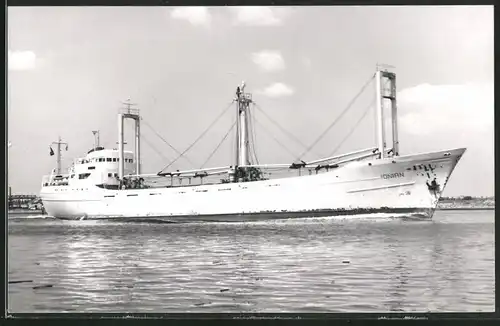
{"x": 300, "y": 265}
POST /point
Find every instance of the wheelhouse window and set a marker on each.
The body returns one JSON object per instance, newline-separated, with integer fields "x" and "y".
{"x": 114, "y": 159}
{"x": 108, "y": 159}
{"x": 110, "y": 174}
{"x": 83, "y": 175}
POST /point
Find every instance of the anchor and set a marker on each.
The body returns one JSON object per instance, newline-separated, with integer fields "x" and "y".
{"x": 433, "y": 186}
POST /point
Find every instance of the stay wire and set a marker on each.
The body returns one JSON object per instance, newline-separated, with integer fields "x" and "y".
{"x": 289, "y": 134}
{"x": 201, "y": 136}
{"x": 154, "y": 148}
{"x": 358, "y": 122}
{"x": 220, "y": 143}
{"x": 274, "y": 138}
{"x": 352, "y": 130}
{"x": 232, "y": 144}
{"x": 166, "y": 142}
{"x": 337, "y": 119}
{"x": 251, "y": 120}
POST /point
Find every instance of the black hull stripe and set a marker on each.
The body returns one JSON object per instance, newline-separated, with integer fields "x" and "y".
{"x": 241, "y": 217}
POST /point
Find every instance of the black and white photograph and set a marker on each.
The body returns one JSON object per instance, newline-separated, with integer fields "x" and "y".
{"x": 250, "y": 159}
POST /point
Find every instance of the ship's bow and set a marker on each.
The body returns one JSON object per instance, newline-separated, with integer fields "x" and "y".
{"x": 432, "y": 172}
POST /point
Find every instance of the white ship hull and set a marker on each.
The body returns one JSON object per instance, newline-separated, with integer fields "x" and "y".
{"x": 398, "y": 186}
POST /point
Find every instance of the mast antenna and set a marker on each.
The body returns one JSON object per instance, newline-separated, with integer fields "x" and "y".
{"x": 384, "y": 67}
{"x": 130, "y": 107}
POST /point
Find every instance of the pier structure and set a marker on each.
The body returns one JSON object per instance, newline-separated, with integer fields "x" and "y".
{"x": 22, "y": 201}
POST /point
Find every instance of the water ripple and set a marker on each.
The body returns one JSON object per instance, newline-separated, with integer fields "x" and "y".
{"x": 310, "y": 265}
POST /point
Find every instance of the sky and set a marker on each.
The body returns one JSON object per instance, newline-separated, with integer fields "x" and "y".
{"x": 70, "y": 69}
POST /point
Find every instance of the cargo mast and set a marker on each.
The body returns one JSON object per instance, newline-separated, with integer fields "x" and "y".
{"x": 243, "y": 101}
{"x": 384, "y": 77}
{"x": 59, "y": 142}
{"x": 129, "y": 113}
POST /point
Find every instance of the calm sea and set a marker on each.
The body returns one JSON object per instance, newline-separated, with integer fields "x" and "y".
{"x": 302, "y": 265}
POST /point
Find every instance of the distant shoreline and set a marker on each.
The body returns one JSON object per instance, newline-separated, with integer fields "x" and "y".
{"x": 466, "y": 203}
{"x": 465, "y": 208}
{"x": 25, "y": 211}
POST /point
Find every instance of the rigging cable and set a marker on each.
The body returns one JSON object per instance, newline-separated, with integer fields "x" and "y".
{"x": 289, "y": 134}
{"x": 338, "y": 118}
{"x": 352, "y": 130}
{"x": 358, "y": 122}
{"x": 275, "y": 139}
{"x": 220, "y": 143}
{"x": 154, "y": 148}
{"x": 202, "y": 134}
{"x": 254, "y": 140}
{"x": 233, "y": 138}
{"x": 166, "y": 142}
{"x": 251, "y": 120}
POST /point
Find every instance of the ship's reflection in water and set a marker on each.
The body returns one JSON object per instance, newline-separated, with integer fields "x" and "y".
{"x": 312, "y": 265}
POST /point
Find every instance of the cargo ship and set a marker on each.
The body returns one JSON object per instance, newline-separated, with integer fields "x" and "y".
{"x": 107, "y": 183}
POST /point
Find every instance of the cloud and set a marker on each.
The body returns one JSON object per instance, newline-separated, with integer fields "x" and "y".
{"x": 438, "y": 109}
{"x": 277, "y": 90}
{"x": 21, "y": 60}
{"x": 259, "y": 16}
{"x": 197, "y": 16}
{"x": 437, "y": 117}
{"x": 268, "y": 60}
{"x": 307, "y": 63}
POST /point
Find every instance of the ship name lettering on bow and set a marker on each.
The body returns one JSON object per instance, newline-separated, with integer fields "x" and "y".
{"x": 393, "y": 175}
